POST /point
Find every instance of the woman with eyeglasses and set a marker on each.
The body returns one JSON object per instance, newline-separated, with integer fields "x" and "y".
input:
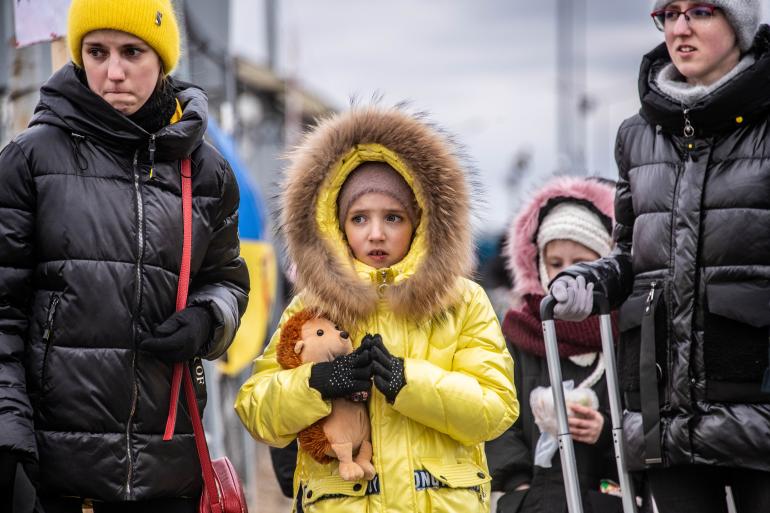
{"x": 691, "y": 272}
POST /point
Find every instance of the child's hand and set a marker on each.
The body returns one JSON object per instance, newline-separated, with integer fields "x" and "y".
{"x": 586, "y": 425}
{"x": 388, "y": 370}
{"x": 344, "y": 376}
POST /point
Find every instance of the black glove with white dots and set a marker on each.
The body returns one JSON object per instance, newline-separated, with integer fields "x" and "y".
{"x": 387, "y": 370}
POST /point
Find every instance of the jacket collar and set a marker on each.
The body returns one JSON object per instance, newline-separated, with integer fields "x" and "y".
{"x": 69, "y": 104}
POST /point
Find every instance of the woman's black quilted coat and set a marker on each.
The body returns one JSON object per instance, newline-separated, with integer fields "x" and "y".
{"x": 696, "y": 211}
{"x": 90, "y": 248}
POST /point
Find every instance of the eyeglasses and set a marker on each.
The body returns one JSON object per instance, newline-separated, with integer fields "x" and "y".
{"x": 698, "y": 16}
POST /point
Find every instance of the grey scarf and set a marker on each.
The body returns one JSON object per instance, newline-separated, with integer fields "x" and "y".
{"x": 671, "y": 83}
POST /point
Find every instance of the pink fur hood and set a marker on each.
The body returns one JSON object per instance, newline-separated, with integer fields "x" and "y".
{"x": 521, "y": 250}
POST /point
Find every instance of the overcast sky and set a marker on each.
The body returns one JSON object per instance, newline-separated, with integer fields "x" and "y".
{"x": 484, "y": 69}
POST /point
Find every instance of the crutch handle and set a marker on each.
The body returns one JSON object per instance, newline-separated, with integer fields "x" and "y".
{"x": 546, "y": 307}
{"x": 601, "y": 303}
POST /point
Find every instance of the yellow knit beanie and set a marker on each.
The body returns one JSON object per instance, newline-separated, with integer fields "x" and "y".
{"x": 153, "y": 21}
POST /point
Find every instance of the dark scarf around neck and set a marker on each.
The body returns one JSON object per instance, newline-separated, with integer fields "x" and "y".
{"x": 523, "y": 328}
{"x": 157, "y": 110}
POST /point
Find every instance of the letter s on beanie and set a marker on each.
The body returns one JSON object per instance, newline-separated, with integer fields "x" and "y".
{"x": 153, "y": 21}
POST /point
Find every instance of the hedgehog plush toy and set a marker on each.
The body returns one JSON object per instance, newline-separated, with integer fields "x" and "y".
{"x": 345, "y": 433}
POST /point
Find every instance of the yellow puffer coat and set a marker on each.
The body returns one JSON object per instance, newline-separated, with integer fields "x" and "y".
{"x": 428, "y": 445}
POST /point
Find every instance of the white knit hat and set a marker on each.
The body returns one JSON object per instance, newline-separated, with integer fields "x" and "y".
{"x": 575, "y": 222}
{"x": 743, "y": 16}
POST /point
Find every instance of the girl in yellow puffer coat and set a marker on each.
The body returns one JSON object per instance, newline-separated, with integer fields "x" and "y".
{"x": 375, "y": 211}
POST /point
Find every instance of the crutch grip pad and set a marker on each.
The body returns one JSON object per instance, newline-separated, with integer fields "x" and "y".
{"x": 601, "y": 303}
{"x": 546, "y": 308}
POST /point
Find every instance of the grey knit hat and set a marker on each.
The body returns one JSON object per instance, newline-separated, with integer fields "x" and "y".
{"x": 575, "y": 222}
{"x": 743, "y": 16}
{"x": 376, "y": 177}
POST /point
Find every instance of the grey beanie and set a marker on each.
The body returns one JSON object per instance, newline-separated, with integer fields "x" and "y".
{"x": 743, "y": 16}
{"x": 376, "y": 177}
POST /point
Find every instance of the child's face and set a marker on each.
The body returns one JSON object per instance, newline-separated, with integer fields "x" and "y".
{"x": 561, "y": 253}
{"x": 378, "y": 230}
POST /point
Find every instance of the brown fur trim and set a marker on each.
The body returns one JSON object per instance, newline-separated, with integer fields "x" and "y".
{"x": 313, "y": 441}
{"x": 291, "y": 333}
{"x": 331, "y": 284}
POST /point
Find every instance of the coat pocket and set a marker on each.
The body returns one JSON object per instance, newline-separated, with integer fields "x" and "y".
{"x": 735, "y": 340}
{"x": 452, "y": 486}
{"x": 48, "y": 335}
{"x": 334, "y": 493}
{"x": 646, "y": 293}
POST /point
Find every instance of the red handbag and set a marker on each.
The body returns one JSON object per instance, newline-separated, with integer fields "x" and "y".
{"x": 222, "y": 489}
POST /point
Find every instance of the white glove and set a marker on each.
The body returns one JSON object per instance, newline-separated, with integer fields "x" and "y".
{"x": 575, "y": 299}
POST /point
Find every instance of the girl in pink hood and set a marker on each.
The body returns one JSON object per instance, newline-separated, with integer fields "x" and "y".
{"x": 568, "y": 221}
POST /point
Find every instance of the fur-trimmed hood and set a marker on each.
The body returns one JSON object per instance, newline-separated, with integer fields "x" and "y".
{"x": 521, "y": 249}
{"x": 328, "y": 277}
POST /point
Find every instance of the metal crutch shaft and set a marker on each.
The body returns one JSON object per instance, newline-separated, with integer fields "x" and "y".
{"x": 616, "y": 412}
{"x": 566, "y": 449}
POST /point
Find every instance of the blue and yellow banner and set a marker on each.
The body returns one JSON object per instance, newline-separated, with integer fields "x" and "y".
{"x": 259, "y": 256}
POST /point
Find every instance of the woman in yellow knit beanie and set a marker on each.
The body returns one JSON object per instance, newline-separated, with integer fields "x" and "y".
{"x": 125, "y": 48}
{"x": 90, "y": 246}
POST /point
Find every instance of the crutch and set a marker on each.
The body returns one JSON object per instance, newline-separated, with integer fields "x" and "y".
{"x": 616, "y": 412}
{"x": 566, "y": 449}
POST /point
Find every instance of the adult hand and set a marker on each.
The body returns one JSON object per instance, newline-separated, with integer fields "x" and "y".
{"x": 181, "y": 336}
{"x": 345, "y": 375}
{"x": 388, "y": 370}
{"x": 575, "y": 299}
{"x": 586, "y": 424}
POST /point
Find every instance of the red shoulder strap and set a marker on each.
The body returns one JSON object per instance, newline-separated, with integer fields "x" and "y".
{"x": 182, "y": 287}
{"x": 180, "y": 369}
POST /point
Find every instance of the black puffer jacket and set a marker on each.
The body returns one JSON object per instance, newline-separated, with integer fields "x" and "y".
{"x": 90, "y": 248}
{"x": 696, "y": 211}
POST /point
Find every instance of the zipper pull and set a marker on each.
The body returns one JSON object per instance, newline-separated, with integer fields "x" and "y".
{"x": 49, "y": 318}
{"x": 650, "y": 297}
{"x": 78, "y": 139}
{"x": 482, "y": 494}
{"x": 151, "y": 149}
{"x": 688, "y": 131}
{"x": 382, "y": 280}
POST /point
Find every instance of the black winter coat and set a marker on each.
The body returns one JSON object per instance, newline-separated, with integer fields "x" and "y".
{"x": 90, "y": 248}
{"x": 511, "y": 456}
{"x": 693, "y": 234}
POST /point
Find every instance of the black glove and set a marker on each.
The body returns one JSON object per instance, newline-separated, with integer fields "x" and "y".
{"x": 388, "y": 370}
{"x": 345, "y": 375}
{"x": 181, "y": 336}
